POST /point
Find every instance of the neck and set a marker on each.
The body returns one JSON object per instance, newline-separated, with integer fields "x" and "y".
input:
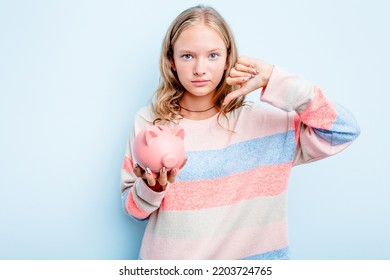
{"x": 198, "y": 112}
{"x": 197, "y": 107}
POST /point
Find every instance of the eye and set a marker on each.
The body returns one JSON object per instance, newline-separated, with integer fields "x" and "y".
{"x": 213, "y": 56}
{"x": 187, "y": 56}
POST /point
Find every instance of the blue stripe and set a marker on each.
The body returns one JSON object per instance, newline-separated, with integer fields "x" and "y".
{"x": 281, "y": 254}
{"x": 239, "y": 157}
{"x": 344, "y": 129}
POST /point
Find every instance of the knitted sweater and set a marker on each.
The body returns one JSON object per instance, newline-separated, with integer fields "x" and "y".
{"x": 229, "y": 201}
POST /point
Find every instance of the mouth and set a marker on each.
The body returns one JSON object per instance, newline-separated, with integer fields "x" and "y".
{"x": 200, "y": 83}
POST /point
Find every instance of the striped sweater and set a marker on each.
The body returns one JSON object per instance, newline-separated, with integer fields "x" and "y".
{"x": 229, "y": 201}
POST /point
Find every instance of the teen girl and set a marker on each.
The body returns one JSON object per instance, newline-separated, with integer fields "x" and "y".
{"x": 229, "y": 200}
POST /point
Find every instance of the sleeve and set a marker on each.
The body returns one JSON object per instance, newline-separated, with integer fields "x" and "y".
{"x": 321, "y": 128}
{"x": 138, "y": 200}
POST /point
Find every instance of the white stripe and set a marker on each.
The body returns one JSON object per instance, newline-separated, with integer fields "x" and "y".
{"x": 212, "y": 222}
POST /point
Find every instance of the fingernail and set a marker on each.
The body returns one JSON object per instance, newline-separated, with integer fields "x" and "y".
{"x": 148, "y": 171}
{"x": 164, "y": 170}
{"x": 245, "y": 79}
{"x": 255, "y": 71}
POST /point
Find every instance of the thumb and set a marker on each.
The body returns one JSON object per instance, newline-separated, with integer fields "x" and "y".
{"x": 233, "y": 95}
{"x": 245, "y": 89}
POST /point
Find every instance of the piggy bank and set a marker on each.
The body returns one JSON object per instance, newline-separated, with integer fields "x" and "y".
{"x": 157, "y": 146}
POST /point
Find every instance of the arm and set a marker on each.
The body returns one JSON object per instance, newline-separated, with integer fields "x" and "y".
{"x": 138, "y": 199}
{"x": 322, "y": 128}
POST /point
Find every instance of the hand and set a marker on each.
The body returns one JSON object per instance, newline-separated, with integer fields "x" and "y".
{"x": 159, "y": 182}
{"x": 250, "y": 74}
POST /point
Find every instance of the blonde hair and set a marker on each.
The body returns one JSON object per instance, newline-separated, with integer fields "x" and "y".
{"x": 170, "y": 91}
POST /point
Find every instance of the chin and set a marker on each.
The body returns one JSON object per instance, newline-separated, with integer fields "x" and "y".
{"x": 201, "y": 91}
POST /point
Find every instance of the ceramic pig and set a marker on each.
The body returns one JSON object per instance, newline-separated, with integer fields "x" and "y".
{"x": 157, "y": 146}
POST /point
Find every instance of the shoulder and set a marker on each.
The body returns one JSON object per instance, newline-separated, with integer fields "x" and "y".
{"x": 145, "y": 112}
{"x": 143, "y": 117}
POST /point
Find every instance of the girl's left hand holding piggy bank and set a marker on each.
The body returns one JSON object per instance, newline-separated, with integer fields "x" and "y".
{"x": 160, "y": 182}
{"x": 160, "y": 154}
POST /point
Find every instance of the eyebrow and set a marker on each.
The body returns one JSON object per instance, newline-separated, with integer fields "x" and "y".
{"x": 189, "y": 51}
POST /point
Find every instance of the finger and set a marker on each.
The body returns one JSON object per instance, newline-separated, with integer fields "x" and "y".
{"x": 238, "y": 80}
{"x": 138, "y": 170}
{"x": 162, "y": 178}
{"x": 173, "y": 174}
{"x": 250, "y": 69}
{"x": 149, "y": 177}
{"x": 235, "y": 73}
{"x": 247, "y": 61}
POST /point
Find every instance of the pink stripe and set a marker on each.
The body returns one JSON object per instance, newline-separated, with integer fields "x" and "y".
{"x": 297, "y": 128}
{"x": 133, "y": 209}
{"x": 261, "y": 181}
{"x": 237, "y": 245}
{"x": 128, "y": 164}
{"x": 320, "y": 113}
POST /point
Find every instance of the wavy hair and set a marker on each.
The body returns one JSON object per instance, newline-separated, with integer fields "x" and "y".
{"x": 170, "y": 91}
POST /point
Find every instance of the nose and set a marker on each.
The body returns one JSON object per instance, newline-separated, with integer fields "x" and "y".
{"x": 199, "y": 67}
{"x": 169, "y": 161}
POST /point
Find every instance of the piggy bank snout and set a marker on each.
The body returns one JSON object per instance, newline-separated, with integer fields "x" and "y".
{"x": 156, "y": 147}
{"x": 169, "y": 161}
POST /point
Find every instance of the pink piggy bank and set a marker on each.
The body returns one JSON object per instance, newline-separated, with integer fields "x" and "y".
{"x": 157, "y": 146}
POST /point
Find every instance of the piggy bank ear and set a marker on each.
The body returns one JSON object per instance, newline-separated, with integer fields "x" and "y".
{"x": 179, "y": 132}
{"x": 150, "y": 134}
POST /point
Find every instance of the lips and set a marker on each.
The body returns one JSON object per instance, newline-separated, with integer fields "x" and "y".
{"x": 200, "y": 83}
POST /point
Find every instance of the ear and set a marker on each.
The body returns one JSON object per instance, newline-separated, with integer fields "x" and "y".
{"x": 172, "y": 64}
{"x": 150, "y": 134}
{"x": 179, "y": 132}
{"x": 227, "y": 64}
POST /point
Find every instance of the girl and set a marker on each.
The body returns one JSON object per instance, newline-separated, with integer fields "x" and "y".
{"x": 229, "y": 200}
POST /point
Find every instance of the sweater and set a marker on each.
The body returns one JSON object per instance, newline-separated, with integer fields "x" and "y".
{"x": 229, "y": 200}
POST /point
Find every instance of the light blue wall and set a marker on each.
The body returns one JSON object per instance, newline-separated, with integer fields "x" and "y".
{"x": 73, "y": 73}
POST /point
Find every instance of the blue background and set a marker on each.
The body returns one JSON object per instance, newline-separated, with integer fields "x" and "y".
{"x": 73, "y": 73}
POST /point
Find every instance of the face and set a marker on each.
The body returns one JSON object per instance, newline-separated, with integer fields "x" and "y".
{"x": 199, "y": 59}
